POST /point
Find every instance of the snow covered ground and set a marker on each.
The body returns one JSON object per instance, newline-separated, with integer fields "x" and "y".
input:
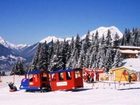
{"x": 100, "y": 94}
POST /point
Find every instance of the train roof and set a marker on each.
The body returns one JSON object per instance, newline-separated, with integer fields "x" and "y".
{"x": 33, "y": 72}
{"x": 66, "y": 70}
{"x": 57, "y": 71}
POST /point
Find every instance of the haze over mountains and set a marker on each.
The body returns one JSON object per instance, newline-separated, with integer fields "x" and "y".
{"x": 10, "y": 53}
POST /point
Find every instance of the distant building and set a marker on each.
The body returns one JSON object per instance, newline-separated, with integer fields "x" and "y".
{"x": 122, "y": 74}
{"x": 129, "y": 51}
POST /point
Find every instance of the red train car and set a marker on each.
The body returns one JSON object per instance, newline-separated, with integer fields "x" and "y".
{"x": 51, "y": 81}
{"x": 66, "y": 79}
{"x": 35, "y": 80}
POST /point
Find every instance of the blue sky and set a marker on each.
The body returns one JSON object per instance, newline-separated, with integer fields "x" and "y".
{"x": 29, "y": 21}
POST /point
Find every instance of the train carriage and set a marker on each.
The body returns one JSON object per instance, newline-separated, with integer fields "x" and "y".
{"x": 35, "y": 80}
{"x": 58, "y": 80}
{"x": 66, "y": 79}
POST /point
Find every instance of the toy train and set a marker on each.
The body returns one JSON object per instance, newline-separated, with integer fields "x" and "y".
{"x": 38, "y": 80}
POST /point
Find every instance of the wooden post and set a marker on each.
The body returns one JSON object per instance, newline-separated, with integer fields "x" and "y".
{"x": 114, "y": 78}
{"x": 115, "y": 84}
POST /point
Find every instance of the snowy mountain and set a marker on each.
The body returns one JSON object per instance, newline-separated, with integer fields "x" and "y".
{"x": 103, "y": 31}
{"x": 28, "y": 52}
{"x": 9, "y": 53}
{"x": 8, "y": 57}
{"x": 54, "y": 38}
{"x": 10, "y": 45}
{"x": 50, "y": 38}
{"x": 21, "y": 46}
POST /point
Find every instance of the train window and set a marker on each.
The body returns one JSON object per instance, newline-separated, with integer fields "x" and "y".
{"x": 68, "y": 75}
{"x": 44, "y": 78}
{"x": 44, "y": 75}
{"x": 61, "y": 76}
{"x": 77, "y": 74}
{"x": 53, "y": 76}
{"x": 30, "y": 78}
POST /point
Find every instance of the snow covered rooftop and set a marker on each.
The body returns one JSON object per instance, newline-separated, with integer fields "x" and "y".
{"x": 132, "y": 64}
{"x": 130, "y": 51}
{"x": 130, "y": 47}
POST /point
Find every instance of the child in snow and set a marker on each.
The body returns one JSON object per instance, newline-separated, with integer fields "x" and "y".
{"x": 12, "y": 87}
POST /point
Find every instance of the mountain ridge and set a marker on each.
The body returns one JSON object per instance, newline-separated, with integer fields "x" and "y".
{"x": 101, "y": 31}
{"x": 11, "y": 45}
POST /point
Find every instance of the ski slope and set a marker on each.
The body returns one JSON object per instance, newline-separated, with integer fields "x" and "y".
{"x": 91, "y": 94}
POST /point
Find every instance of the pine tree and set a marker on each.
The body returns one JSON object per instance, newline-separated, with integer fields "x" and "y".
{"x": 87, "y": 42}
{"x": 77, "y": 48}
{"x": 102, "y": 41}
{"x": 109, "y": 58}
{"x": 94, "y": 51}
{"x": 51, "y": 49}
{"x": 138, "y": 37}
{"x": 65, "y": 54}
{"x": 71, "y": 47}
{"x": 57, "y": 59}
{"x": 102, "y": 53}
{"x": 116, "y": 40}
{"x": 123, "y": 40}
{"x": 117, "y": 59}
{"x": 128, "y": 36}
{"x": 96, "y": 39}
{"x": 2, "y": 73}
{"x": 43, "y": 57}
{"x": 108, "y": 39}
{"x": 50, "y": 54}
{"x": 71, "y": 53}
{"x": 18, "y": 68}
{"x": 36, "y": 58}
{"x": 132, "y": 37}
